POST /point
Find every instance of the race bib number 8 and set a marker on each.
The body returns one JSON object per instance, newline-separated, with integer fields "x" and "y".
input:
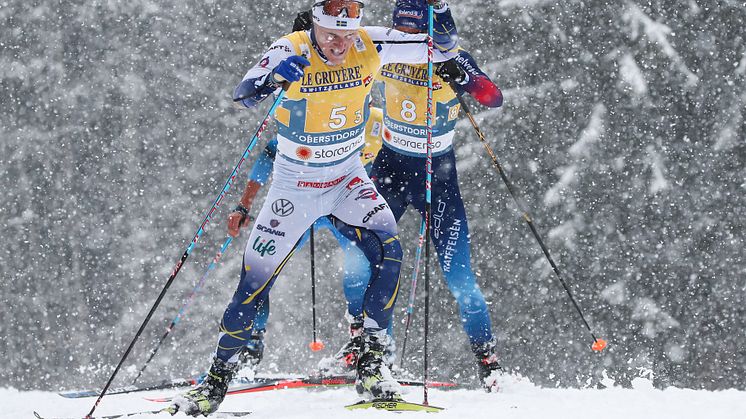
{"x": 408, "y": 110}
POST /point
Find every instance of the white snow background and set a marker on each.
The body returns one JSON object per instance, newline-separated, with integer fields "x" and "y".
{"x": 518, "y": 399}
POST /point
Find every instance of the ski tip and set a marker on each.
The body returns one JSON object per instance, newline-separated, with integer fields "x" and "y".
{"x": 38, "y": 416}
{"x": 170, "y": 410}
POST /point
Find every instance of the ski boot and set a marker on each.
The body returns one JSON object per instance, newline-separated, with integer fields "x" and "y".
{"x": 206, "y": 397}
{"x": 373, "y": 376}
{"x": 251, "y": 354}
{"x": 490, "y": 371}
{"x": 345, "y": 360}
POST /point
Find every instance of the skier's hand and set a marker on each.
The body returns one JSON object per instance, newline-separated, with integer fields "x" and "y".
{"x": 302, "y": 22}
{"x": 451, "y": 72}
{"x": 238, "y": 219}
{"x": 290, "y": 69}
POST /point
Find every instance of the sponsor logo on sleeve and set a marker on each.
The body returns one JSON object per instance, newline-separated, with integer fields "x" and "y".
{"x": 280, "y": 47}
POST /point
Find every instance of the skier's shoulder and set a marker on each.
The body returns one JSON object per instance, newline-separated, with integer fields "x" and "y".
{"x": 382, "y": 34}
{"x": 289, "y": 43}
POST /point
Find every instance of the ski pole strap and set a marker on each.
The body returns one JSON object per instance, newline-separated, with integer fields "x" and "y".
{"x": 243, "y": 211}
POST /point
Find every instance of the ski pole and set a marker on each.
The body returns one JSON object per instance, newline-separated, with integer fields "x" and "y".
{"x": 193, "y": 243}
{"x": 428, "y": 188}
{"x": 316, "y": 345}
{"x": 598, "y": 344}
{"x": 195, "y": 291}
{"x": 412, "y": 291}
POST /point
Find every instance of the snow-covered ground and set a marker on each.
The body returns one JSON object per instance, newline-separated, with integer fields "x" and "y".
{"x": 519, "y": 400}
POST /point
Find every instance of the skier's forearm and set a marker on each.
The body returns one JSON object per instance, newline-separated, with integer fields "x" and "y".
{"x": 478, "y": 85}
{"x": 484, "y": 91}
{"x": 258, "y": 83}
{"x": 263, "y": 166}
{"x": 249, "y": 193}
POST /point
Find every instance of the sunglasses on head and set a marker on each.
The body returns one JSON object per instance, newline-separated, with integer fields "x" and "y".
{"x": 342, "y": 8}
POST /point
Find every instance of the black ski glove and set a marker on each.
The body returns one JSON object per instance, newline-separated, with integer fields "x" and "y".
{"x": 302, "y": 22}
{"x": 451, "y": 72}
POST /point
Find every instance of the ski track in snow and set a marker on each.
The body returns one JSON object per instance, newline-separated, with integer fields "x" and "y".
{"x": 516, "y": 401}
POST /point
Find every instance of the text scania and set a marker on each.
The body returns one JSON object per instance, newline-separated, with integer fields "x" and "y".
{"x": 323, "y": 78}
{"x": 378, "y": 208}
{"x": 271, "y": 231}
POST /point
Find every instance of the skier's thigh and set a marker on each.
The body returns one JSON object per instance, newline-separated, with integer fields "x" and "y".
{"x": 279, "y": 226}
{"x": 363, "y": 206}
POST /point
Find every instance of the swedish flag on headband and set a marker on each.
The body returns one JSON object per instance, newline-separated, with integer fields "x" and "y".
{"x": 341, "y": 24}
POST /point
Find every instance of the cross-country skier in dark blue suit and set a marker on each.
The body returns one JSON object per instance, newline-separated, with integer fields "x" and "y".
{"x": 399, "y": 170}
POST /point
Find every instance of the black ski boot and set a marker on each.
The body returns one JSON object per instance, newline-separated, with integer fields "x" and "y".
{"x": 251, "y": 354}
{"x": 345, "y": 360}
{"x": 373, "y": 376}
{"x": 350, "y": 352}
{"x": 206, "y": 397}
{"x": 490, "y": 370}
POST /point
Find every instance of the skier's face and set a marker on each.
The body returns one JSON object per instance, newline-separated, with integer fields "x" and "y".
{"x": 334, "y": 43}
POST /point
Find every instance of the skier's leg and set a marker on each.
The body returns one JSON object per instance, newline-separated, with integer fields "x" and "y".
{"x": 355, "y": 283}
{"x": 356, "y": 271}
{"x": 273, "y": 238}
{"x": 450, "y": 234}
{"x": 253, "y": 352}
{"x": 391, "y": 179}
{"x": 363, "y": 216}
{"x": 271, "y": 244}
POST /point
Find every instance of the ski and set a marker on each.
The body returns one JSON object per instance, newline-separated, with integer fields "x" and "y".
{"x": 396, "y": 405}
{"x": 267, "y": 384}
{"x": 78, "y": 394}
{"x": 215, "y": 415}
